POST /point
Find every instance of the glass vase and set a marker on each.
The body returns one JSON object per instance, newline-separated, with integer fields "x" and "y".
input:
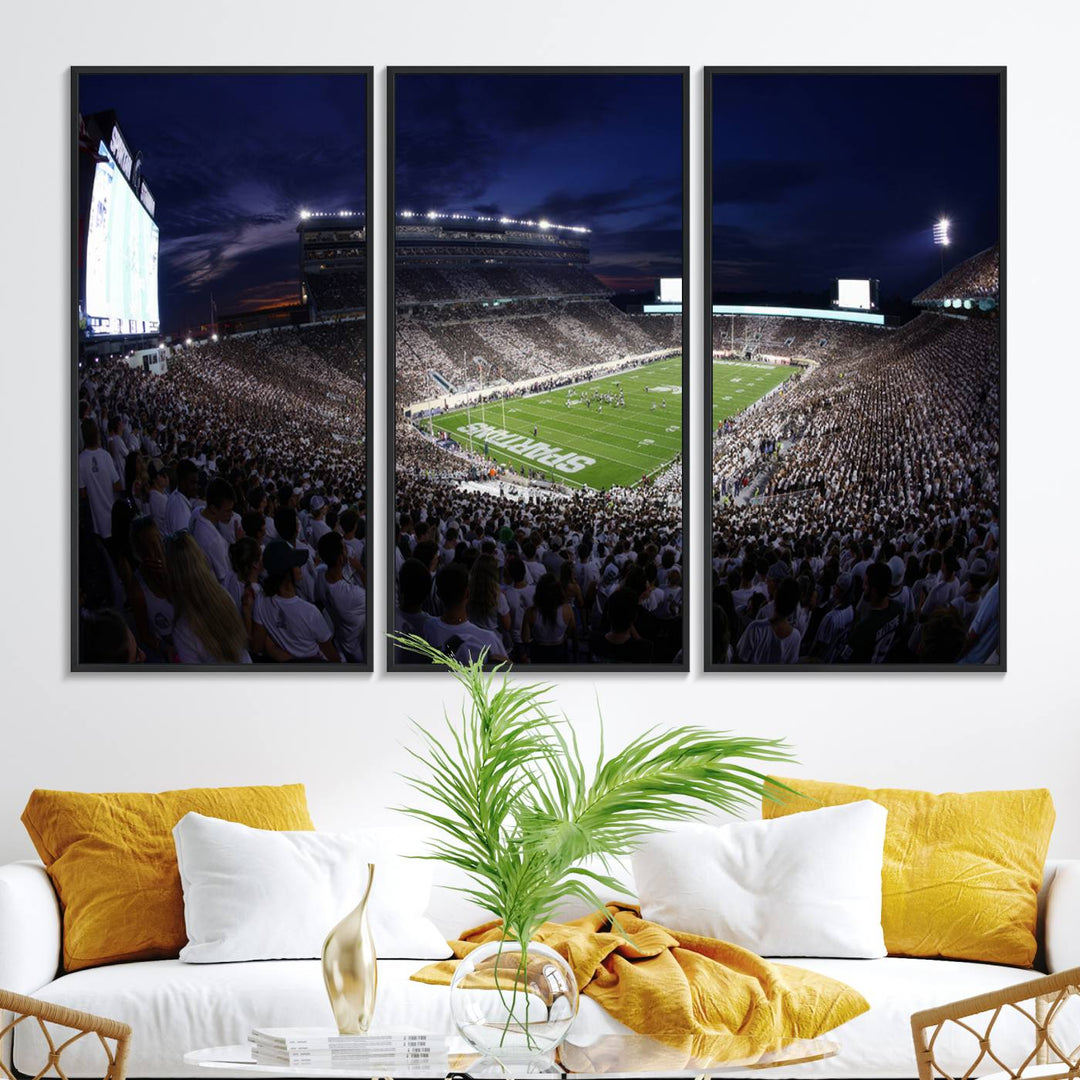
{"x": 514, "y": 1004}
{"x": 350, "y": 970}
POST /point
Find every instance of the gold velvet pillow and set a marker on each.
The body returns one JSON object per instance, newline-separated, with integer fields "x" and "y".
{"x": 961, "y": 872}
{"x": 113, "y": 864}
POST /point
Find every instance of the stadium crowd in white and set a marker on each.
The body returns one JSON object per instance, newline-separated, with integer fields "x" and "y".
{"x": 530, "y": 573}
{"x": 855, "y": 514}
{"x": 223, "y": 505}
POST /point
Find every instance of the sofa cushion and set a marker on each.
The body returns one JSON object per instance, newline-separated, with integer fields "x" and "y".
{"x": 175, "y": 1007}
{"x": 805, "y": 885}
{"x": 961, "y": 872}
{"x": 112, "y": 860}
{"x": 272, "y": 894}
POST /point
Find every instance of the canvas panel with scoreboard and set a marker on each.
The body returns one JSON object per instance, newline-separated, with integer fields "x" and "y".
{"x": 220, "y": 368}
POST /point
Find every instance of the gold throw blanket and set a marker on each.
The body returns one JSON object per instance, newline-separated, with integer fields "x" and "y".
{"x": 705, "y": 999}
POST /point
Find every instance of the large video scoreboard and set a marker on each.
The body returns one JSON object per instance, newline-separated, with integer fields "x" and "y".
{"x": 120, "y": 253}
{"x": 855, "y": 294}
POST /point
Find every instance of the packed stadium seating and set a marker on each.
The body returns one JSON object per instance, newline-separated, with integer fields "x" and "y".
{"x": 445, "y": 284}
{"x": 279, "y": 415}
{"x": 886, "y": 450}
{"x": 975, "y": 277}
{"x": 811, "y": 339}
{"x": 519, "y": 341}
{"x": 576, "y": 550}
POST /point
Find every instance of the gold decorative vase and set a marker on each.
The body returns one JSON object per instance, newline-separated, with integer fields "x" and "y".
{"x": 350, "y": 970}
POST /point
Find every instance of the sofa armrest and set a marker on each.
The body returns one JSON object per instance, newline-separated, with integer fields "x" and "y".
{"x": 1063, "y": 917}
{"x": 29, "y": 928}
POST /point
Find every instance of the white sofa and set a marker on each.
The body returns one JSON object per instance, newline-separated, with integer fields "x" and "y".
{"x": 175, "y": 1007}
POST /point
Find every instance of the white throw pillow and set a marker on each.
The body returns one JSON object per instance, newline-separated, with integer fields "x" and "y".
{"x": 258, "y": 894}
{"x": 804, "y": 885}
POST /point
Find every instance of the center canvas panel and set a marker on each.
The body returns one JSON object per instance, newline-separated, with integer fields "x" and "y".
{"x": 537, "y": 349}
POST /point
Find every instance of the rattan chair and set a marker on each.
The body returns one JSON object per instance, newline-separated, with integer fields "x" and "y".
{"x": 107, "y": 1031}
{"x": 1040, "y": 1002}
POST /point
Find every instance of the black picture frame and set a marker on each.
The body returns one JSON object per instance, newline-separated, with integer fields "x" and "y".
{"x": 705, "y": 563}
{"x": 76, "y": 72}
{"x": 392, "y": 74}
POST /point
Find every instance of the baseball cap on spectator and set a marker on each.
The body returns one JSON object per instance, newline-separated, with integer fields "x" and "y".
{"x": 317, "y": 503}
{"x": 896, "y": 568}
{"x": 778, "y": 571}
{"x": 279, "y": 557}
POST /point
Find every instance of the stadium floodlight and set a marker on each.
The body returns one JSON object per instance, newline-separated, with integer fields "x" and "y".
{"x": 187, "y": 341}
{"x": 213, "y": 337}
{"x": 941, "y": 232}
{"x": 305, "y": 214}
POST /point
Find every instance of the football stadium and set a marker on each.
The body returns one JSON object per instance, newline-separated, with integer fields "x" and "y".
{"x": 842, "y": 445}
{"x": 538, "y": 446}
{"x": 222, "y": 472}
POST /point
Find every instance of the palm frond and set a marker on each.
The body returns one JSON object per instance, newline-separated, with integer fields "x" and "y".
{"x": 516, "y": 808}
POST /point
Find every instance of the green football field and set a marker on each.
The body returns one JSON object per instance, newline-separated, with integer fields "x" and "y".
{"x": 735, "y": 385}
{"x": 583, "y": 444}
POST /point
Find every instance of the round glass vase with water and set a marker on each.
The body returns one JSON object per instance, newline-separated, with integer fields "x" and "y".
{"x": 514, "y": 1004}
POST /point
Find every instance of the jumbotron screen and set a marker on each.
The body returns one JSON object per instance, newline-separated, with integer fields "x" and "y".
{"x": 853, "y": 293}
{"x": 121, "y": 256}
{"x": 670, "y": 290}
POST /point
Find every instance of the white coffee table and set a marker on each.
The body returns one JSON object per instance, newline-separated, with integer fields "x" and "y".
{"x": 630, "y": 1057}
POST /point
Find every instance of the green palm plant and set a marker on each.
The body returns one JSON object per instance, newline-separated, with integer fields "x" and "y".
{"x": 517, "y": 809}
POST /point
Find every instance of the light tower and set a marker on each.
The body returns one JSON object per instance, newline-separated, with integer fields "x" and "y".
{"x": 941, "y": 239}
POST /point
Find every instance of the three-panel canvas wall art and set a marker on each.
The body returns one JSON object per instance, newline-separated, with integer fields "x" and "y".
{"x": 561, "y": 386}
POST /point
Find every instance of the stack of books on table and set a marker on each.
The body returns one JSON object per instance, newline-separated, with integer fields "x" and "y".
{"x": 398, "y": 1050}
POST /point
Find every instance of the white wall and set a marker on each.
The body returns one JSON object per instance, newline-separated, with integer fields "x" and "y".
{"x": 341, "y": 735}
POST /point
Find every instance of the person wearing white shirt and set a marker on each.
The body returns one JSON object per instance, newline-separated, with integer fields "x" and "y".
{"x": 204, "y": 526}
{"x": 316, "y": 524}
{"x": 346, "y": 602}
{"x": 99, "y": 482}
{"x": 519, "y": 598}
{"x": 231, "y": 528}
{"x": 207, "y": 627}
{"x": 673, "y": 596}
{"x": 352, "y": 528}
{"x": 178, "y": 506}
{"x": 117, "y": 447}
{"x": 414, "y": 587}
{"x": 287, "y": 525}
{"x": 832, "y": 631}
{"x": 534, "y": 568}
{"x": 453, "y": 628}
{"x": 946, "y": 590}
{"x": 285, "y": 619}
{"x": 774, "y": 640}
{"x": 159, "y": 499}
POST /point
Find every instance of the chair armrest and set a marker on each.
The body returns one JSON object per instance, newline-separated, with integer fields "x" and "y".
{"x": 22, "y": 1009}
{"x": 29, "y": 928}
{"x": 1063, "y": 918}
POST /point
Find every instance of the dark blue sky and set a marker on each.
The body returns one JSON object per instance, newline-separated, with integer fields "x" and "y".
{"x": 824, "y": 176}
{"x": 603, "y": 151}
{"x": 231, "y": 160}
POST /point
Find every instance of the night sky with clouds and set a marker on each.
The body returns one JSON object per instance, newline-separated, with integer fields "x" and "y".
{"x": 601, "y": 150}
{"x": 819, "y": 176}
{"x": 231, "y": 160}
